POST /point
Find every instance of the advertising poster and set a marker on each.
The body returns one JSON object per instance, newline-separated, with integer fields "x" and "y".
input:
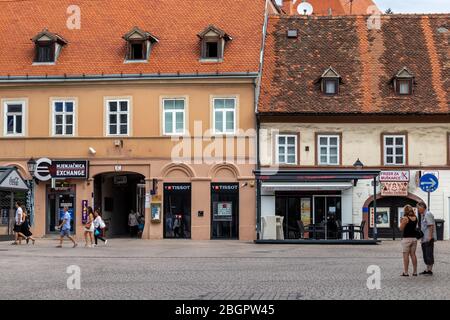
{"x": 383, "y": 218}
{"x": 223, "y": 211}
{"x": 84, "y": 211}
{"x": 305, "y": 207}
{"x": 5, "y": 216}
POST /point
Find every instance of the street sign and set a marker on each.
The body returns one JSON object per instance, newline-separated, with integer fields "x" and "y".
{"x": 429, "y": 183}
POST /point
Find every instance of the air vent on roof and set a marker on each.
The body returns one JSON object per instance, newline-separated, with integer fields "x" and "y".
{"x": 292, "y": 33}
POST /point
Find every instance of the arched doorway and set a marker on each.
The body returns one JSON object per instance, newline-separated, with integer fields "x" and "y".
{"x": 389, "y": 211}
{"x": 118, "y": 194}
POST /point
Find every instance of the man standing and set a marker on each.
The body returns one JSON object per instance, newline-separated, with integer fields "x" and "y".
{"x": 428, "y": 227}
{"x": 17, "y": 222}
{"x": 133, "y": 223}
{"x": 64, "y": 228}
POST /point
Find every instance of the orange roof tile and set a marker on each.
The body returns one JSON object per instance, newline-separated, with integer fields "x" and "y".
{"x": 366, "y": 59}
{"x": 98, "y": 47}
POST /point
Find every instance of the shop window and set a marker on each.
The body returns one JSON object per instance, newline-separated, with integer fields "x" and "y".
{"x": 118, "y": 117}
{"x": 224, "y": 115}
{"x": 174, "y": 116}
{"x": 328, "y": 149}
{"x": 14, "y": 116}
{"x": 63, "y": 118}
{"x": 394, "y": 149}
{"x": 287, "y": 149}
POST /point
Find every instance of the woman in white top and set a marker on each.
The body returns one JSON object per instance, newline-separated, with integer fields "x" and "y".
{"x": 99, "y": 225}
{"x": 89, "y": 229}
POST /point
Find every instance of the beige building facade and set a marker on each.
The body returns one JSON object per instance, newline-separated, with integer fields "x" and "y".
{"x": 143, "y": 157}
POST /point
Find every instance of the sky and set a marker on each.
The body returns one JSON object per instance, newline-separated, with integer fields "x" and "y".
{"x": 413, "y": 6}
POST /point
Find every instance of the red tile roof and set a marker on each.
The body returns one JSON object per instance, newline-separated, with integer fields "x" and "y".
{"x": 366, "y": 60}
{"x": 98, "y": 47}
{"x": 337, "y": 7}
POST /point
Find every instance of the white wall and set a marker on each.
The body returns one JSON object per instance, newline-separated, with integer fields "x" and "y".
{"x": 427, "y": 142}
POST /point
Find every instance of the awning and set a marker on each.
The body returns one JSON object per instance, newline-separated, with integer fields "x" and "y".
{"x": 306, "y": 186}
{"x": 338, "y": 175}
{"x": 10, "y": 180}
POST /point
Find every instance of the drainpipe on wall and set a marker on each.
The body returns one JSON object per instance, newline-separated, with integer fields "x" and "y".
{"x": 257, "y": 94}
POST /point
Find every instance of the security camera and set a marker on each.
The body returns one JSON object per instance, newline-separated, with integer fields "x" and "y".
{"x": 92, "y": 150}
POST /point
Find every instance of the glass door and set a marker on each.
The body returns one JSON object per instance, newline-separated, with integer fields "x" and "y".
{"x": 327, "y": 211}
{"x": 177, "y": 211}
{"x": 225, "y": 211}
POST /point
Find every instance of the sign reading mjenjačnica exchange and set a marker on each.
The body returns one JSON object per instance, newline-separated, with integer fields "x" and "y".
{"x": 47, "y": 169}
{"x": 69, "y": 169}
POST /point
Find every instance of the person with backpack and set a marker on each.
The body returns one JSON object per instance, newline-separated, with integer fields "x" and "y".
{"x": 99, "y": 226}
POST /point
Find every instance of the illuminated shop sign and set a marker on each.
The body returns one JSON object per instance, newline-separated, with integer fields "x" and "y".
{"x": 47, "y": 169}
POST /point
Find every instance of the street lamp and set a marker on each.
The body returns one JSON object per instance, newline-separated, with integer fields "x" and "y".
{"x": 31, "y": 166}
{"x": 358, "y": 164}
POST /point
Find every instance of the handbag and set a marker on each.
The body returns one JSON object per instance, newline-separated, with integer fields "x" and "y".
{"x": 419, "y": 234}
{"x": 96, "y": 232}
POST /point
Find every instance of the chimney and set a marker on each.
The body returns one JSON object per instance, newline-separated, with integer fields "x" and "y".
{"x": 288, "y": 7}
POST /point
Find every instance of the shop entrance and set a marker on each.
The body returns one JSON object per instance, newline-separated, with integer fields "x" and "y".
{"x": 63, "y": 195}
{"x": 308, "y": 210}
{"x": 177, "y": 210}
{"x": 225, "y": 211}
{"x": 118, "y": 195}
{"x": 389, "y": 212}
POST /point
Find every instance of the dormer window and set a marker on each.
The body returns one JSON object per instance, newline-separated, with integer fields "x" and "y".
{"x": 139, "y": 44}
{"x": 403, "y": 82}
{"x": 48, "y": 47}
{"x": 329, "y": 82}
{"x": 213, "y": 42}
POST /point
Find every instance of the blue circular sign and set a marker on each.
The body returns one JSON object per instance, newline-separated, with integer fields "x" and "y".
{"x": 429, "y": 183}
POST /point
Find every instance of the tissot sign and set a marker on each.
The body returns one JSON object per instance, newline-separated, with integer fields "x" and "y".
{"x": 47, "y": 169}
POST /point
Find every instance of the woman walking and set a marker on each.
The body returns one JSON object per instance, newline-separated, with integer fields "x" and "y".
{"x": 99, "y": 225}
{"x": 89, "y": 229}
{"x": 408, "y": 226}
{"x": 25, "y": 227}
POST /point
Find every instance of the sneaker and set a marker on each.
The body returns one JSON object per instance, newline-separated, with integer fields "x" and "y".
{"x": 106, "y": 241}
{"x": 75, "y": 245}
{"x": 59, "y": 246}
{"x": 424, "y": 273}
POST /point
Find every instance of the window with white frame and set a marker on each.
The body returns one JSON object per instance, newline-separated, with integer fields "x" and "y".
{"x": 63, "y": 118}
{"x": 14, "y": 118}
{"x": 174, "y": 116}
{"x": 118, "y": 117}
{"x": 287, "y": 149}
{"x": 394, "y": 149}
{"x": 328, "y": 149}
{"x": 224, "y": 115}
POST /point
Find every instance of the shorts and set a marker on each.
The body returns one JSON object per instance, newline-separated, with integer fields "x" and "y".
{"x": 65, "y": 232}
{"x": 17, "y": 228}
{"x": 409, "y": 245}
{"x": 428, "y": 252}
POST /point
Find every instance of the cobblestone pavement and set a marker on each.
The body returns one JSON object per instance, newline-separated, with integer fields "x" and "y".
{"x": 179, "y": 269}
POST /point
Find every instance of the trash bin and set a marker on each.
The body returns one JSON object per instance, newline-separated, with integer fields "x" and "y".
{"x": 440, "y": 229}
